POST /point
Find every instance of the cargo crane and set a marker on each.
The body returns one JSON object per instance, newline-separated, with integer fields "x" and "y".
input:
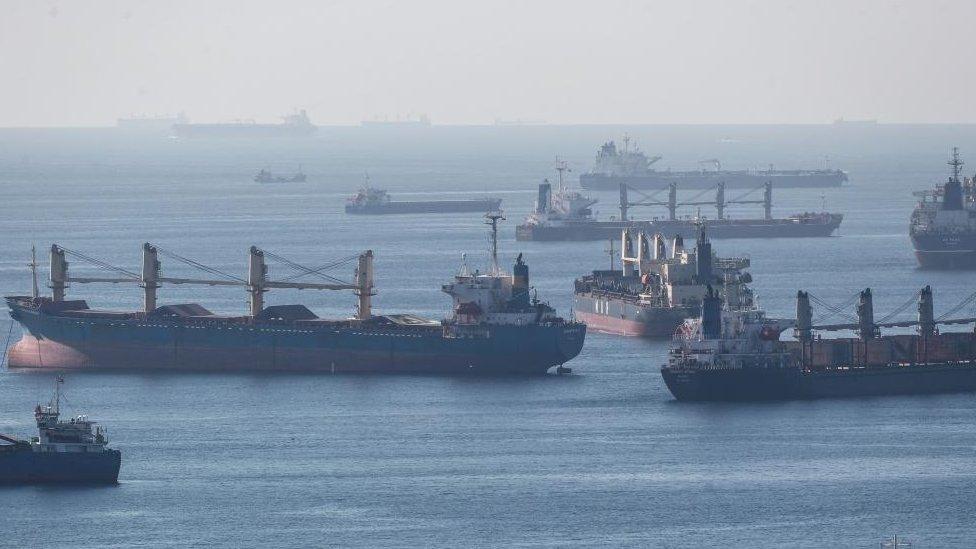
{"x": 256, "y": 281}
{"x": 672, "y": 203}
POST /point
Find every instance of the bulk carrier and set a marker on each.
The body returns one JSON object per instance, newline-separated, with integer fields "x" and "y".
{"x": 630, "y": 166}
{"x": 656, "y": 289}
{"x": 293, "y": 125}
{"x": 728, "y": 354}
{"x": 567, "y": 216}
{"x": 372, "y": 201}
{"x": 943, "y": 224}
{"x": 494, "y": 326}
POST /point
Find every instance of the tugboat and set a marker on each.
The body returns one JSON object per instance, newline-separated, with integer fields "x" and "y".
{"x": 943, "y": 225}
{"x": 371, "y": 201}
{"x": 63, "y": 452}
{"x": 265, "y": 176}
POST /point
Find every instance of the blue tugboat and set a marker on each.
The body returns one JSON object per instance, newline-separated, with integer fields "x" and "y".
{"x": 64, "y": 452}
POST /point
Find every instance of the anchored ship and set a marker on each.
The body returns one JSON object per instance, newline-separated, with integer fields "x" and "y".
{"x": 943, "y": 224}
{"x": 656, "y": 289}
{"x": 372, "y": 201}
{"x": 494, "y": 327}
{"x": 630, "y": 166}
{"x": 265, "y": 176}
{"x": 579, "y": 224}
{"x": 737, "y": 354}
{"x": 63, "y": 452}
{"x": 293, "y": 125}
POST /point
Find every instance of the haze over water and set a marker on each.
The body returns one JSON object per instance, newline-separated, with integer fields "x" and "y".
{"x": 603, "y": 456}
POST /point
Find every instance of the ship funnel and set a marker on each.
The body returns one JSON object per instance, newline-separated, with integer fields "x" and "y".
{"x": 543, "y": 203}
{"x": 804, "y": 316}
{"x": 703, "y": 256}
{"x": 520, "y": 282}
{"x": 926, "y": 316}
{"x": 677, "y": 246}
{"x": 865, "y": 316}
{"x": 711, "y": 315}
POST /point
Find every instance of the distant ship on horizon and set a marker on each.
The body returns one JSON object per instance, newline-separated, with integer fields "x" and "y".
{"x": 410, "y": 121}
{"x": 297, "y": 124}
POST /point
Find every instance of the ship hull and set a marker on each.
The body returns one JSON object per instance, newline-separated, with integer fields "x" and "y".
{"x": 620, "y": 317}
{"x": 740, "y": 228}
{"x": 755, "y": 384}
{"x": 435, "y": 206}
{"x": 22, "y": 465}
{"x": 81, "y": 343}
{"x": 945, "y": 252}
{"x": 243, "y": 131}
{"x": 707, "y": 180}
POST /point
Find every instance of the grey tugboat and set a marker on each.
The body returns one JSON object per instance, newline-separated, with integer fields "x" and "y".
{"x": 943, "y": 224}
{"x": 63, "y": 452}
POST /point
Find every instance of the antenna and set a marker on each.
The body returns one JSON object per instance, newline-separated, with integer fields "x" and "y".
{"x": 561, "y": 167}
{"x": 33, "y": 266}
{"x": 491, "y": 218}
{"x": 610, "y": 250}
{"x": 57, "y": 394}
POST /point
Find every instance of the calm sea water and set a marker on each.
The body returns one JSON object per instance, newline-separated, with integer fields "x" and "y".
{"x": 601, "y": 457}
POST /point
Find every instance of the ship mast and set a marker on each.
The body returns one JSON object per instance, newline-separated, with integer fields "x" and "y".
{"x": 561, "y": 167}
{"x": 33, "y": 266}
{"x": 491, "y": 218}
{"x": 956, "y": 164}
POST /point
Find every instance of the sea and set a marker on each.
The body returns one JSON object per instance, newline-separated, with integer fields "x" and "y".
{"x": 603, "y": 456}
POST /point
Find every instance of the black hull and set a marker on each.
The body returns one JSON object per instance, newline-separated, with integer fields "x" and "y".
{"x": 759, "y": 384}
{"x": 707, "y": 180}
{"x": 22, "y": 465}
{"x": 743, "y": 228}
{"x": 945, "y": 252}
{"x": 436, "y": 206}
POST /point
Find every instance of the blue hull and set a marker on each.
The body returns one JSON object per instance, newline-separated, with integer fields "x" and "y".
{"x": 87, "y": 341}
{"x": 21, "y": 465}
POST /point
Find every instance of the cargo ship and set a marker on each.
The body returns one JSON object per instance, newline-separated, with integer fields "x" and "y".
{"x": 737, "y": 355}
{"x": 630, "y": 166}
{"x": 494, "y": 326}
{"x": 63, "y": 452}
{"x": 655, "y": 289}
{"x": 293, "y": 125}
{"x": 943, "y": 224}
{"x": 372, "y": 201}
{"x": 579, "y": 224}
{"x": 265, "y": 176}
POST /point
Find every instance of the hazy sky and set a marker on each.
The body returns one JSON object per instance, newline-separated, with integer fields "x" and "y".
{"x": 76, "y": 63}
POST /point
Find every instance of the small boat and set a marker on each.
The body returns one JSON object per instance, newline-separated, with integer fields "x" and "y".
{"x": 63, "y": 452}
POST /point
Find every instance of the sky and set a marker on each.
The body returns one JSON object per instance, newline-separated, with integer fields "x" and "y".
{"x": 86, "y": 63}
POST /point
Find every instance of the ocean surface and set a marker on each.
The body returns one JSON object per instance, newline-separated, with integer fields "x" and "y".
{"x": 604, "y": 456}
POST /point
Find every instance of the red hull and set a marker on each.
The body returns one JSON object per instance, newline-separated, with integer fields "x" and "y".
{"x": 619, "y": 326}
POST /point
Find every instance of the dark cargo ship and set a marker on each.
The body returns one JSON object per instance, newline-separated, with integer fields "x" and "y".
{"x": 631, "y": 167}
{"x": 370, "y": 201}
{"x": 578, "y": 224}
{"x": 943, "y": 225}
{"x": 737, "y": 355}
{"x": 656, "y": 289}
{"x": 494, "y": 328}
{"x": 63, "y": 452}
